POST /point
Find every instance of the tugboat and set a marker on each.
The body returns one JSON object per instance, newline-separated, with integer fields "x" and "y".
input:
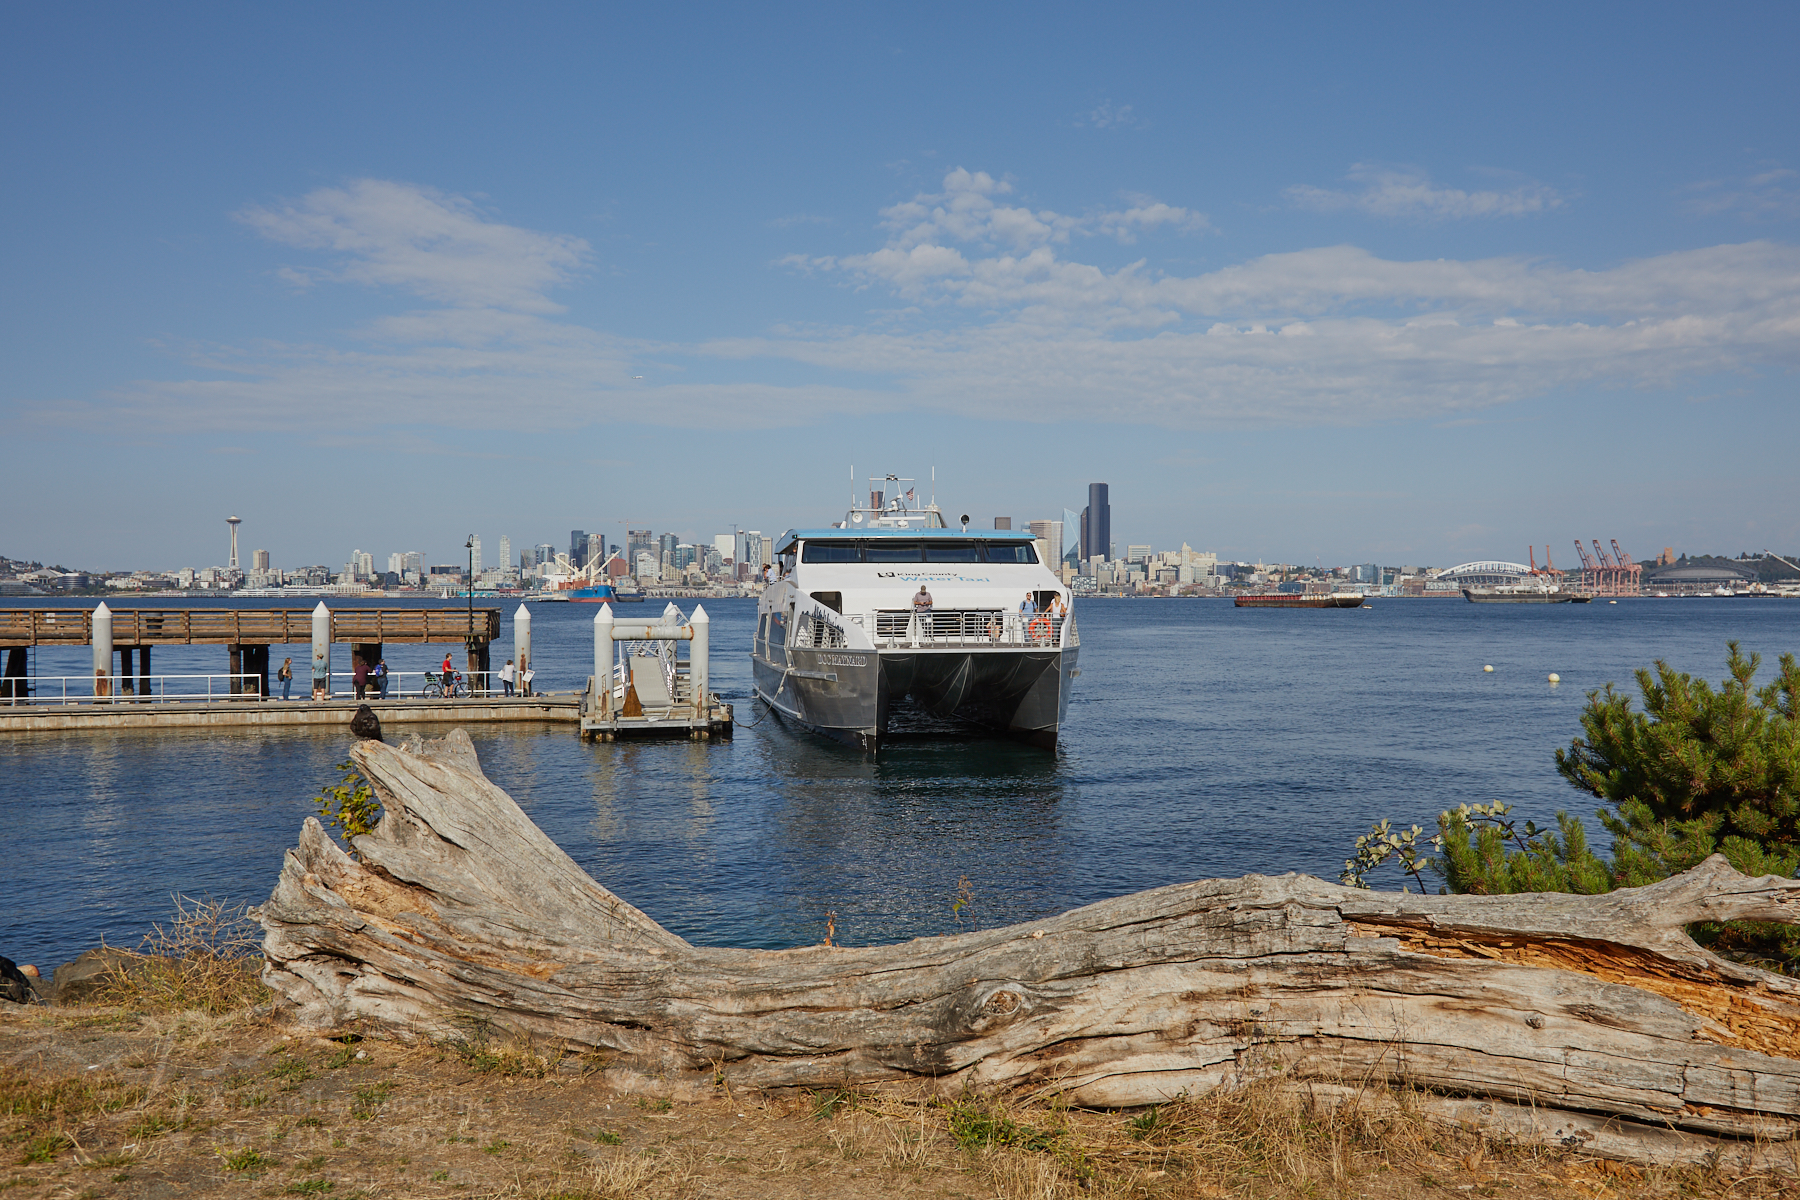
{"x": 890, "y": 611}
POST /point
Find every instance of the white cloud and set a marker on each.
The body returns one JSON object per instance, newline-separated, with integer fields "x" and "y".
{"x": 1771, "y": 192}
{"x": 1107, "y": 115}
{"x": 438, "y": 247}
{"x": 998, "y": 320}
{"x": 1409, "y": 192}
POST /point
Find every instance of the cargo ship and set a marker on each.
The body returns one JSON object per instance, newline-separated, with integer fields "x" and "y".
{"x": 1298, "y": 600}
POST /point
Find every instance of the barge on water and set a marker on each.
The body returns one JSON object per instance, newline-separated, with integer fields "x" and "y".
{"x": 1298, "y": 600}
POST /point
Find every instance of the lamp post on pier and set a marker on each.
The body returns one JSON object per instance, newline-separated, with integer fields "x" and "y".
{"x": 469, "y": 639}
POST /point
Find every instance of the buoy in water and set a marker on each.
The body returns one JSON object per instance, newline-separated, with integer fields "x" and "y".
{"x": 1555, "y": 678}
{"x": 1489, "y": 669}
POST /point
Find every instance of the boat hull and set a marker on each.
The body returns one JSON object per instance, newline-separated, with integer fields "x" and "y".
{"x": 1476, "y": 596}
{"x": 1295, "y": 600}
{"x": 849, "y": 695}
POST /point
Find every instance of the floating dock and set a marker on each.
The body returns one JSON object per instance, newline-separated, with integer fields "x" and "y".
{"x": 640, "y": 688}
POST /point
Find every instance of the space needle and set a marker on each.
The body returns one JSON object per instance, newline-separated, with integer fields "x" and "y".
{"x": 234, "y": 522}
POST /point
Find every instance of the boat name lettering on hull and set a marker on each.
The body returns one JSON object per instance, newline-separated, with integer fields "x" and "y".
{"x": 843, "y": 660}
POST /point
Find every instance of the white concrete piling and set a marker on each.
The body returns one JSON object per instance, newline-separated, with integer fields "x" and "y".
{"x": 697, "y": 651}
{"x": 603, "y": 652}
{"x": 321, "y": 649}
{"x": 522, "y": 646}
{"x": 103, "y": 650}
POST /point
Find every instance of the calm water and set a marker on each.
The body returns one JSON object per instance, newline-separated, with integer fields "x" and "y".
{"x": 1202, "y": 741}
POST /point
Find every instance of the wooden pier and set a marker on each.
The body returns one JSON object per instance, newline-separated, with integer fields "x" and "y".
{"x": 247, "y": 633}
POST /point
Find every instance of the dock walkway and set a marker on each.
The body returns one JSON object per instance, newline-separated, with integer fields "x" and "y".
{"x": 253, "y": 712}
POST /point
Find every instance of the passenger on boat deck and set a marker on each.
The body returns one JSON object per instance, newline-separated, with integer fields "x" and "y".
{"x": 922, "y": 600}
{"x": 1029, "y": 604}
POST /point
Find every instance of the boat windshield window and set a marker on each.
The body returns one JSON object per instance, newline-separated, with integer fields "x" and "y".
{"x": 952, "y": 552}
{"x": 1011, "y": 552}
{"x": 893, "y": 552}
{"x": 831, "y": 552}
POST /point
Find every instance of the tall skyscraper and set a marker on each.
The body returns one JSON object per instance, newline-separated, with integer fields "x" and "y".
{"x": 259, "y": 560}
{"x": 1096, "y": 524}
{"x": 596, "y": 549}
{"x": 475, "y": 552}
{"x": 505, "y": 552}
{"x": 1049, "y": 535}
{"x": 665, "y": 547}
{"x": 638, "y": 541}
{"x": 578, "y": 547}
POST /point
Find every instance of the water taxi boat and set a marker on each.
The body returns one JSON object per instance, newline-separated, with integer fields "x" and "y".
{"x": 890, "y": 613}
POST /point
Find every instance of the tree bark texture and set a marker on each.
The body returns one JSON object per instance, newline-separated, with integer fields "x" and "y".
{"x": 1590, "y": 1020}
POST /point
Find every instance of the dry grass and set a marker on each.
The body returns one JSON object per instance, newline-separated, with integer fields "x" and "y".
{"x": 204, "y": 959}
{"x": 227, "y": 1105}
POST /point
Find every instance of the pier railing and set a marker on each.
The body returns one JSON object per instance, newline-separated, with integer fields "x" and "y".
{"x": 127, "y": 689}
{"x": 233, "y": 687}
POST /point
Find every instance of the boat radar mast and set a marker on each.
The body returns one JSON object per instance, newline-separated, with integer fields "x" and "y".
{"x": 889, "y": 507}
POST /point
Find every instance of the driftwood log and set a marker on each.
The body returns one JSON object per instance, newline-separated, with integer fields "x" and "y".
{"x": 1589, "y": 1020}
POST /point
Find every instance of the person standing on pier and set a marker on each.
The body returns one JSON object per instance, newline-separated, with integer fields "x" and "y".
{"x": 359, "y": 676}
{"x": 321, "y": 677}
{"x": 507, "y": 674}
{"x": 286, "y": 676}
{"x": 381, "y": 678}
{"x": 449, "y": 678}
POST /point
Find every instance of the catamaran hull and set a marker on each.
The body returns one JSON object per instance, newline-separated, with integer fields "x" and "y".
{"x": 848, "y": 695}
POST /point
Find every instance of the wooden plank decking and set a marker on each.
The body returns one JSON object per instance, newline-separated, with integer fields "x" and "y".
{"x": 244, "y": 626}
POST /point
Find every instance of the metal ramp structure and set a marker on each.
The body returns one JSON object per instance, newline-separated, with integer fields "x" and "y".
{"x": 640, "y": 687}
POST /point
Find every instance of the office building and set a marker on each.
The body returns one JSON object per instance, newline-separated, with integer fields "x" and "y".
{"x": 475, "y": 553}
{"x": 1049, "y": 535}
{"x": 578, "y": 540}
{"x": 725, "y": 545}
{"x": 506, "y": 552}
{"x": 542, "y": 553}
{"x": 259, "y": 560}
{"x": 639, "y": 541}
{"x": 1096, "y": 523}
{"x": 665, "y": 549}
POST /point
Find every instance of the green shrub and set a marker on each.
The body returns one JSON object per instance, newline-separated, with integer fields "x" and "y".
{"x": 350, "y": 805}
{"x": 1698, "y": 771}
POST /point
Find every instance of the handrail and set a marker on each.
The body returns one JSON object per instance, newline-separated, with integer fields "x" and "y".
{"x": 27, "y": 690}
{"x": 951, "y": 628}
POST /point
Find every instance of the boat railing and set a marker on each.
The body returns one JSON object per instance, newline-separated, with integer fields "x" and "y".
{"x": 972, "y": 627}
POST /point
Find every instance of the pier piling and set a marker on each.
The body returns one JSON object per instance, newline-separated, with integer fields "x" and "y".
{"x": 103, "y": 649}
{"x": 522, "y": 648}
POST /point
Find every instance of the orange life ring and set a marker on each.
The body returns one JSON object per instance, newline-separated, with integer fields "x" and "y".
{"x": 1039, "y": 629}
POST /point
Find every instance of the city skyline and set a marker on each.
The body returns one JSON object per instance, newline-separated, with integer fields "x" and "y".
{"x": 1409, "y": 284}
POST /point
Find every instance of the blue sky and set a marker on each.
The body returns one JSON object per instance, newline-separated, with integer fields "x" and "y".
{"x": 1417, "y": 283}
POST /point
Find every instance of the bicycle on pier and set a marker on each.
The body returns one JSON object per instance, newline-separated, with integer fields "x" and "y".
{"x": 446, "y": 685}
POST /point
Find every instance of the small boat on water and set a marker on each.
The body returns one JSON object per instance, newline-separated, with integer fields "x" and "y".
{"x": 890, "y": 614}
{"x": 1298, "y": 600}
